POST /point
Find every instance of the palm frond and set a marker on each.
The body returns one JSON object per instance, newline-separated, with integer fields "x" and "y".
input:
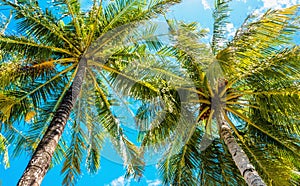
{"x": 93, "y": 155}
{"x": 86, "y": 114}
{"x": 29, "y": 47}
{"x": 282, "y": 160}
{"x": 4, "y": 151}
{"x": 220, "y": 15}
{"x": 192, "y": 166}
{"x": 260, "y": 39}
{"x": 74, "y": 11}
{"x": 110, "y": 123}
{"x": 39, "y": 24}
{"x": 217, "y": 167}
{"x": 276, "y": 137}
{"x": 179, "y": 168}
{"x": 5, "y": 24}
{"x": 118, "y": 11}
{"x": 167, "y": 113}
{"x": 74, "y": 155}
{"x": 280, "y": 70}
{"x": 10, "y": 105}
{"x": 15, "y": 136}
{"x": 187, "y": 45}
{"x": 122, "y": 12}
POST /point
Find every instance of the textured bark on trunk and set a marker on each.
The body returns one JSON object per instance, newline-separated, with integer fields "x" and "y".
{"x": 239, "y": 157}
{"x": 41, "y": 159}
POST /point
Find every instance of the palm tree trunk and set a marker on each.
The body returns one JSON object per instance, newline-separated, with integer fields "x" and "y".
{"x": 240, "y": 157}
{"x": 41, "y": 159}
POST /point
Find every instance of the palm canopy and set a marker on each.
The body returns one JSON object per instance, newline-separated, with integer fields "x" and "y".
{"x": 252, "y": 82}
{"x": 39, "y": 64}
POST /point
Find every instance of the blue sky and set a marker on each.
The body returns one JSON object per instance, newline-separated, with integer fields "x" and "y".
{"x": 111, "y": 172}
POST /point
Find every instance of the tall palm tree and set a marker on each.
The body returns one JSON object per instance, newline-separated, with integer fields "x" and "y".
{"x": 245, "y": 88}
{"x": 57, "y": 53}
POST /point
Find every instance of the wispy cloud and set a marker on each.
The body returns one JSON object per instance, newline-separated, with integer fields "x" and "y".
{"x": 154, "y": 182}
{"x": 205, "y": 4}
{"x": 276, "y": 4}
{"x": 230, "y": 29}
{"x": 120, "y": 181}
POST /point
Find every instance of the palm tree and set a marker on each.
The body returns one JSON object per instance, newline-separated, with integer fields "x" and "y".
{"x": 45, "y": 70}
{"x": 246, "y": 89}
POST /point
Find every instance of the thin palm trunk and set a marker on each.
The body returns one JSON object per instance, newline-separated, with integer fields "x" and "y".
{"x": 41, "y": 159}
{"x": 239, "y": 156}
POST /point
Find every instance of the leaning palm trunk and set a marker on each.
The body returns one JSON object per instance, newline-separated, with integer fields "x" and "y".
{"x": 41, "y": 159}
{"x": 239, "y": 156}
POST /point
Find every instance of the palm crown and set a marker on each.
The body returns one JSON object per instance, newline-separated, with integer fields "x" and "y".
{"x": 250, "y": 84}
{"x": 46, "y": 61}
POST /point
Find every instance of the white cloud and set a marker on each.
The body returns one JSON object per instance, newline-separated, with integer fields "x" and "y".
{"x": 205, "y": 4}
{"x": 277, "y": 4}
{"x": 154, "y": 182}
{"x": 120, "y": 181}
{"x": 230, "y": 29}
